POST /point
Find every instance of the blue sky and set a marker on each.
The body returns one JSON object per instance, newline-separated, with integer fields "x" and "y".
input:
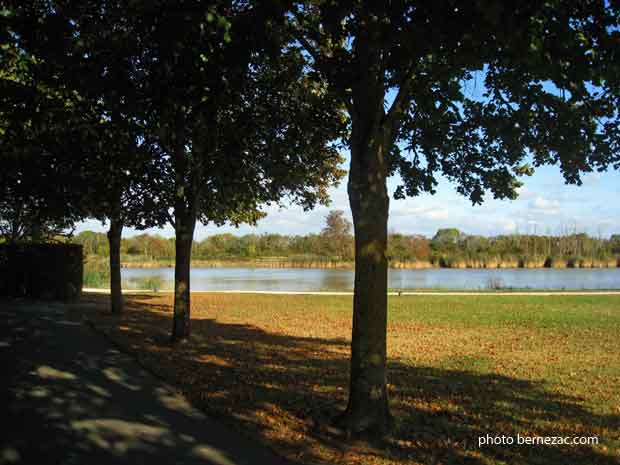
{"x": 545, "y": 205}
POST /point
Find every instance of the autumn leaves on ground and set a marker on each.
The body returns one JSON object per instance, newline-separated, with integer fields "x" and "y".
{"x": 460, "y": 368}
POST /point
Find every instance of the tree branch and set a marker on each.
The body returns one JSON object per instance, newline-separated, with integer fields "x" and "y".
{"x": 305, "y": 43}
{"x": 394, "y": 114}
{"x": 316, "y": 56}
{"x": 170, "y": 219}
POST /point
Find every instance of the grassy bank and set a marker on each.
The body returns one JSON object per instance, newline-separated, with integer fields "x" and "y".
{"x": 460, "y": 368}
{"x": 317, "y": 262}
{"x": 274, "y": 262}
{"x": 96, "y": 272}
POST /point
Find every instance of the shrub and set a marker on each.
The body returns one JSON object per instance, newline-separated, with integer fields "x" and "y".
{"x": 41, "y": 270}
{"x": 495, "y": 283}
{"x": 153, "y": 283}
{"x": 97, "y": 273}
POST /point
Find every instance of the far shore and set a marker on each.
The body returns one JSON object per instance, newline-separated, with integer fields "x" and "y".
{"x": 347, "y": 265}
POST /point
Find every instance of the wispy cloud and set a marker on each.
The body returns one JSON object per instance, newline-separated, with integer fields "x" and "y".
{"x": 546, "y": 206}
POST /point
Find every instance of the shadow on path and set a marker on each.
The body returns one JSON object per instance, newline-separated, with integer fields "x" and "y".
{"x": 69, "y": 397}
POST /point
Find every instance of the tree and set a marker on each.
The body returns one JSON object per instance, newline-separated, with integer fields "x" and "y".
{"x": 236, "y": 122}
{"x": 336, "y": 234}
{"x": 92, "y": 73}
{"x": 479, "y": 92}
{"x": 448, "y": 236}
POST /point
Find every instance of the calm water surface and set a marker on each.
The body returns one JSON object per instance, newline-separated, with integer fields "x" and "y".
{"x": 293, "y": 279}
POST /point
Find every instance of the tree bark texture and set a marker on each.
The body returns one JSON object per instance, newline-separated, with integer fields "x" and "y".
{"x": 181, "y": 317}
{"x": 114, "y": 241}
{"x": 184, "y": 224}
{"x": 368, "y": 409}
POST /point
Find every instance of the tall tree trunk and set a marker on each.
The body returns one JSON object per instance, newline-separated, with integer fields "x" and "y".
{"x": 114, "y": 241}
{"x": 368, "y": 409}
{"x": 184, "y": 224}
{"x": 35, "y": 230}
{"x": 184, "y": 227}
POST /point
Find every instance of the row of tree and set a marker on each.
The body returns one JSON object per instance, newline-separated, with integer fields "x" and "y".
{"x": 449, "y": 247}
{"x": 147, "y": 112}
{"x": 335, "y": 242}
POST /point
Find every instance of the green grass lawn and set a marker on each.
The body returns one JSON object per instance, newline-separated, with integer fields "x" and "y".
{"x": 460, "y": 367}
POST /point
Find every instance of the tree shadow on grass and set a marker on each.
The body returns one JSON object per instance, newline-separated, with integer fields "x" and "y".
{"x": 283, "y": 388}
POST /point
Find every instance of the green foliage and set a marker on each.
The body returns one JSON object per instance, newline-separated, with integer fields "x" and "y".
{"x": 93, "y": 243}
{"x": 403, "y": 248}
{"x": 97, "y": 272}
{"x": 545, "y": 79}
{"x": 237, "y": 126}
{"x": 336, "y": 224}
{"x": 447, "y": 236}
{"x": 89, "y": 124}
{"x": 153, "y": 283}
{"x": 578, "y": 250}
{"x": 615, "y": 243}
{"x": 36, "y": 125}
{"x": 336, "y": 235}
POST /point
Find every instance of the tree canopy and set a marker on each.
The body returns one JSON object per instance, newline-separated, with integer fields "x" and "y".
{"x": 38, "y": 127}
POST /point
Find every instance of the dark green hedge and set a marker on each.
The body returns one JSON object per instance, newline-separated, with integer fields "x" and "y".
{"x": 41, "y": 270}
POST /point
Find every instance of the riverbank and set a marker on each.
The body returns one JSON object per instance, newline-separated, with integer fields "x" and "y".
{"x": 459, "y": 369}
{"x": 399, "y": 280}
{"x": 396, "y": 265}
{"x": 263, "y": 263}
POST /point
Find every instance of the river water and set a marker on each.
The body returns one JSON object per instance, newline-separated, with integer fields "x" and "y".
{"x": 295, "y": 279}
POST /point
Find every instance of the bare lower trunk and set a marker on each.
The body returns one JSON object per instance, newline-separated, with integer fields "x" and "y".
{"x": 35, "y": 230}
{"x": 114, "y": 241}
{"x": 367, "y": 409}
{"x": 181, "y": 318}
{"x": 373, "y": 134}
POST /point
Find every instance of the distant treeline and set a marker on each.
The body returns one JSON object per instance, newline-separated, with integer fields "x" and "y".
{"x": 449, "y": 248}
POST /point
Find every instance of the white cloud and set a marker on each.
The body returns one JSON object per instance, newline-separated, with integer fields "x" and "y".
{"x": 437, "y": 214}
{"x": 525, "y": 193}
{"x": 591, "y": 178}
{"x": 433, "y": 212}
{"x": 509, "y": 225}
{"x": 545, "y": 206}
